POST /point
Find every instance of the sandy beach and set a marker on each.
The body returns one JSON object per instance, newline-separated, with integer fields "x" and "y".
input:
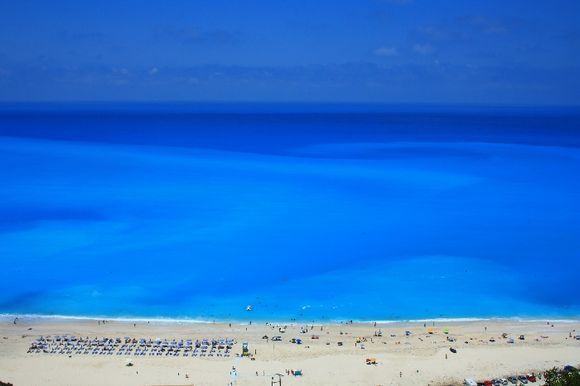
{"x": 421, "y": 358}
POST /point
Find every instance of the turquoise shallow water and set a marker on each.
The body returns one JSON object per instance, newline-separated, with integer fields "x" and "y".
{"x": 180, "y": 212}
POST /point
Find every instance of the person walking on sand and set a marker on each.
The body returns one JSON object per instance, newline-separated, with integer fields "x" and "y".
{"x": 233, "y": 375}
{"x": 400, "y": 374}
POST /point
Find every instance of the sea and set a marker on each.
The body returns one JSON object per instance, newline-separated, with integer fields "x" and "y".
{"x": 289, "y": 212}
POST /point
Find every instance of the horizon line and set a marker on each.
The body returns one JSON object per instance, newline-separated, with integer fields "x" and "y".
{"x": 279, "y": 106}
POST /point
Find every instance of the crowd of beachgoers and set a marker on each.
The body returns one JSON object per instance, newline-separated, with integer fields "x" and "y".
{"x": 70, "y": 344}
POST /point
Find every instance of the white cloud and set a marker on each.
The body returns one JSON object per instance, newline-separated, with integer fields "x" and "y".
{"x": 120, "y": 71}
{"x": 423, "y": 49}
{"x": 386, "y": 51}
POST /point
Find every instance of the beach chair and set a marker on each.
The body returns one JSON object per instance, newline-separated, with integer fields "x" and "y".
{"x": 371, "y": 361}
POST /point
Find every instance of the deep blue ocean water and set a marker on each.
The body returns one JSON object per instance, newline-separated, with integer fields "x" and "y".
{"x": 304, "y": 211}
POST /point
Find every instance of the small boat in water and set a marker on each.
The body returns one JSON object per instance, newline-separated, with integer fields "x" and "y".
{"x": 249, "y": 308}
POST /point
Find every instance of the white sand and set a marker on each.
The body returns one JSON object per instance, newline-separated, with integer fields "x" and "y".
{"x": 321, "y": 364}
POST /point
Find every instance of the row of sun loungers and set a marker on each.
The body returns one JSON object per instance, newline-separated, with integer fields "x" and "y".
{"x": 127, "y": 346}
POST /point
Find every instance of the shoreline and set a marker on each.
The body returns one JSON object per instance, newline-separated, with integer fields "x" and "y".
{"x": 161, "y": 319}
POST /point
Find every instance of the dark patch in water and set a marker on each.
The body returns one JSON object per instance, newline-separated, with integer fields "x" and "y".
{"x": 16, "y": 219}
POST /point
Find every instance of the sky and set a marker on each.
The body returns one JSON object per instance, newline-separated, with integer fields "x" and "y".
{"x": 515, "y": 52}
